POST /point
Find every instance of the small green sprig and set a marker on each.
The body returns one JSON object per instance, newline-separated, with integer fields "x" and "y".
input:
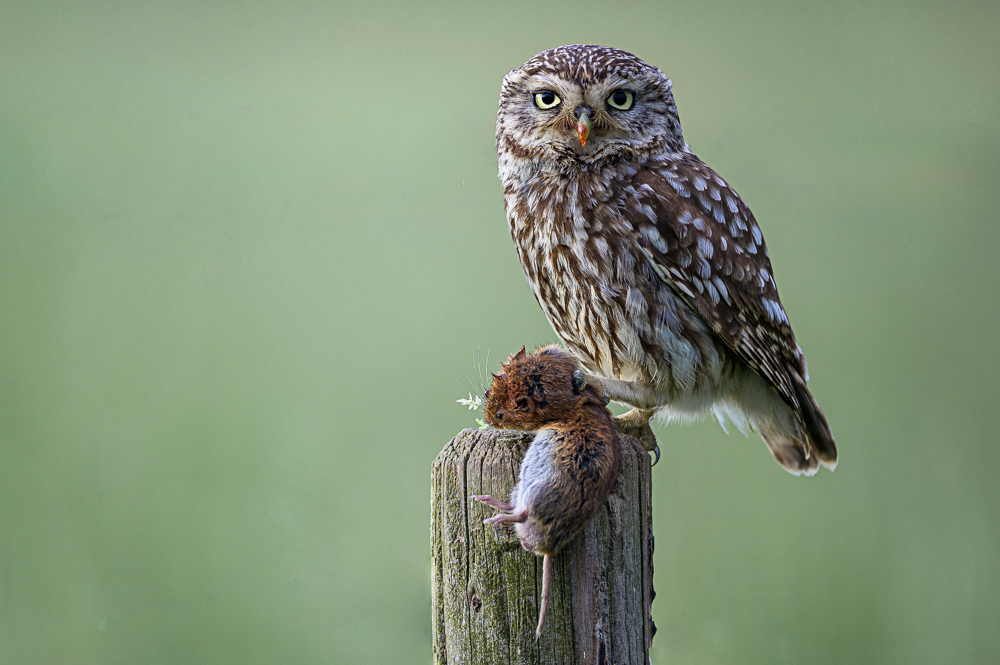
{"x": 475, "y": 402}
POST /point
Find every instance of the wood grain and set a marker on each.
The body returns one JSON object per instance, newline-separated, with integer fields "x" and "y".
{"x": 486, "y": 587}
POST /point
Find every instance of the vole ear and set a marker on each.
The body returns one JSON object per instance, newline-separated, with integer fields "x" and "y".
{"x": 524, "y": 404}
{"x": 579, "y": 380}
{"x": 514, "y": 357}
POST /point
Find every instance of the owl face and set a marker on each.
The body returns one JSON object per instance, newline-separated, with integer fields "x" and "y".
{"x": 586, "y": 103}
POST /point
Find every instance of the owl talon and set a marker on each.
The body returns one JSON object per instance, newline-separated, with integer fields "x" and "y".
{"x": 636, "y": 423}
{"x": 648, "y": 440}
{"x": 598, "y": 383}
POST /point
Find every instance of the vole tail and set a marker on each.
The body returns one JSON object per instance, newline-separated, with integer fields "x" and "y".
{"x": 546, "y": 585}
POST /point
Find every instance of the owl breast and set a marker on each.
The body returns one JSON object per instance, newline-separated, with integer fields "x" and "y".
{"x": 598, "y": 291}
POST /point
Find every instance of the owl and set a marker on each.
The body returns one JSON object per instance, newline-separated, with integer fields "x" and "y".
{"x": 647, "y": 264}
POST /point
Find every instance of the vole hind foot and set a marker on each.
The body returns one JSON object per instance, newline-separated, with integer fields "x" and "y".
{"x": 636, "y": 423}
{"x": 490, "y": 501}
{"x": 505, "y": 516}
{"x": 521, "y": 516}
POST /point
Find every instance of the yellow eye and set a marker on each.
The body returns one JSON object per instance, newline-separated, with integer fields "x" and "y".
{"x": 621, "y": 100}
{"x": 546, "y": 99}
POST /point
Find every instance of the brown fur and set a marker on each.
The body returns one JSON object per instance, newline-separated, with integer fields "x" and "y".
{"x": 546, "y": 392}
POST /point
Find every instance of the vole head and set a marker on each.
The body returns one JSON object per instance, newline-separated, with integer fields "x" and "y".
{"x": 534, "y": 391}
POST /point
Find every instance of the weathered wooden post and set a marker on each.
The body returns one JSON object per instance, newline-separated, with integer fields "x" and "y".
{"x": 486, "y": 587}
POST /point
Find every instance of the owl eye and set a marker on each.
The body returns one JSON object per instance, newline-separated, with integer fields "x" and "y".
{"x": 621, "y": 100}
{"x": 546, "y": 99}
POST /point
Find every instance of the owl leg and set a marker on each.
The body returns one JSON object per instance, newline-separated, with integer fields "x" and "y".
{"x": 636, "y": 423}
{"x": 632, "y": 393}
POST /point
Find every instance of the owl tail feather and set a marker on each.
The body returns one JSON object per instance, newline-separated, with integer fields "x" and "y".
{"x": 794, "y": 454}
{"x": 820, "y": 435}
{"x": 812, "y": 445}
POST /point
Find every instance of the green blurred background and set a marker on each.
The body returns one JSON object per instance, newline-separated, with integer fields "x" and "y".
{"x": 249, "y": 251}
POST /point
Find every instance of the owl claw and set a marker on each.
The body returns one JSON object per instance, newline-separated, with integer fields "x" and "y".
{"x": 636, "y": 423}
{"x": 595, "y": 381}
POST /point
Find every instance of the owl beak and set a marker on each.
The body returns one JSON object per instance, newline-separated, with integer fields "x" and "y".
{"x": 583, "y": 126}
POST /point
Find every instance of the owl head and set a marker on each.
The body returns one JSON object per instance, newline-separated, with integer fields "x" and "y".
{"x": 586, "y": 104}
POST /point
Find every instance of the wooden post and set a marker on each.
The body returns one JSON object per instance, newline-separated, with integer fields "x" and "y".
{"x": 486, "y": 587}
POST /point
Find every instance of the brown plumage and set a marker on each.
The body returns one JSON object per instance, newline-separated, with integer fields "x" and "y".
{"x": 648, "y": 265}
{"x": 571, "y": 465}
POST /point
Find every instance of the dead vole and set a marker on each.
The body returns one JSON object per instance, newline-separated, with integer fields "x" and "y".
{"x": 572, "y": 463}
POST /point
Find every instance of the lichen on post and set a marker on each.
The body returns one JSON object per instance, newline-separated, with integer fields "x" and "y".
{"x": 486, "y": 588}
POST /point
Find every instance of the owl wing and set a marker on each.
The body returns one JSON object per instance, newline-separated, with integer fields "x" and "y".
{"x": 704, "y": 242}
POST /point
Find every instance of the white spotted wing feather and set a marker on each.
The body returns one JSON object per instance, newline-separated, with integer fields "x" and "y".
{"x": 705, "y": 243}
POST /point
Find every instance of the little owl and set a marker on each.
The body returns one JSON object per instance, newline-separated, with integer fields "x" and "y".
{"x": 649, "y": 266}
